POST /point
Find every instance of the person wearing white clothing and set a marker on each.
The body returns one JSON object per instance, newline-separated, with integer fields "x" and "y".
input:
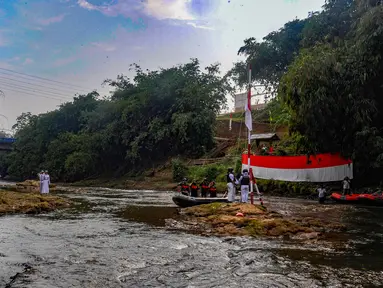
{"x": 321, "y": 194}
{"x": 41, "y": 179}
{"x": 244, "y": 180}
{"x": 46, "y": 182}
{"x": 230, "y": 185}
{"x": 346, "y": 186}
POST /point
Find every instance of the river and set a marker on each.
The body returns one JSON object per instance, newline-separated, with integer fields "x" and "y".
{"x": 116, "y": 238}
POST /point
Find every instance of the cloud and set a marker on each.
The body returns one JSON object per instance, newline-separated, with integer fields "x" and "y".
{"x": 122, "y": 7}
{"x": 51, "y": 20}
{"x": 3, "y": 39}
{"x": 28, "y": 61}
{"x": 16, "y": 58}
{"x": 162, "y": 9}
{"x": 64, "y": 61}
{"x": 158, "y": 9}
{"x": 104, "y": 46}
{"x": 200, "y": 26}
{"x": 6, "y": 65}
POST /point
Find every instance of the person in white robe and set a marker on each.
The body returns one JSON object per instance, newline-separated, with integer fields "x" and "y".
{"x": 244, "y": 180}
{"x": 46, "y": 182}
{"x": 230, "y": 185}
{"x": 41, "y": 180}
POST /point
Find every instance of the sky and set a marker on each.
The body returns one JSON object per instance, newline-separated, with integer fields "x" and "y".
{"x": 52, "y": 49}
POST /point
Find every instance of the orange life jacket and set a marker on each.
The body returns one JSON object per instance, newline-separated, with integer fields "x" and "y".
{"x": 204, "y": 186}
{"x": 213, "y": 189}
{"x": 185, "y": 187}
{"x": 194, "y": 187}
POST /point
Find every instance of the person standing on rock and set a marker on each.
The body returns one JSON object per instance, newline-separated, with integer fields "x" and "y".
{"x": 244, "y": 181}
{"x": 41, "y": 180}
{"x": 230, "y": 185}
{"x": 46, "y": 182}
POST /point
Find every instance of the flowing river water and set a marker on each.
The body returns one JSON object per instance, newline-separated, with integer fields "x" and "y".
{"x": 116, "y": 238}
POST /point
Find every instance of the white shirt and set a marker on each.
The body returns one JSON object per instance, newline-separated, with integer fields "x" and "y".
{"x": 346, "y": 184}
{"x": 321, "y": 192}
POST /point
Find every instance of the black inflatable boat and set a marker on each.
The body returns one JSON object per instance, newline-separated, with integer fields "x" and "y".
{"x": 187, "y": 201}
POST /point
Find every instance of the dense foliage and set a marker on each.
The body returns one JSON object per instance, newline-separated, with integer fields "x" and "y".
{"x": 156, "y": 115}
{"x": 327, "y": 71}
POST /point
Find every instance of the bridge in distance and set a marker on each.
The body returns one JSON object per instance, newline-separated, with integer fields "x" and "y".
{"x": 6, "y": 143}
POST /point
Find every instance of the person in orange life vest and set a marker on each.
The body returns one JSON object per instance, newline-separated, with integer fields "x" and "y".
{"x": 193, "y": 189}
{"x": 213, "y": 190}
{"x": 184, "y": 187}
{"x": 204, "y": 188}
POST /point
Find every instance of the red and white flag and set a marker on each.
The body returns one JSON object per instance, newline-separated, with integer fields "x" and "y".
{"x": 248, "y": 118}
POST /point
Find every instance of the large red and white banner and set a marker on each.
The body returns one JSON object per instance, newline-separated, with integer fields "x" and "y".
{"x": 316, "y": 168}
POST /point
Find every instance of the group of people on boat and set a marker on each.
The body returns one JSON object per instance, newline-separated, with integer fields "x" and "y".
{"x": 205, "y": 188}
{"x": 45, "y": 180}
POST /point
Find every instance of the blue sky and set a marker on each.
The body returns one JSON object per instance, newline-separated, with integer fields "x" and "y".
{"x": 81, "y": 42}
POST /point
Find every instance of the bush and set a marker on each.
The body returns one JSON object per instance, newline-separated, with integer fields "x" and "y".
{"x": 283, "y": 188}
{"x": 179, "y": 170}
{"x": 216, "y": 172}
{"x": 212, "y": 173}
{"x": 238, "y": 166}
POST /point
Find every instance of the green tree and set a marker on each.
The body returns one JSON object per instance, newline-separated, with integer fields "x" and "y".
{"x": 333, "y": 90}
{"x": 146, "y": 120}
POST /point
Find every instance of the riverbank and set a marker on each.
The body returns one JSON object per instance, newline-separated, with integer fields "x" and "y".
{"x": 12, "y": 202}
{"x": 163, "y": 181}
{"x": 237, "y": 219}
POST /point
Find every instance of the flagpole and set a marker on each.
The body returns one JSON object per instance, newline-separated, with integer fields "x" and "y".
{"x": 252, "y": 183}
{"x": 249, "y": 135}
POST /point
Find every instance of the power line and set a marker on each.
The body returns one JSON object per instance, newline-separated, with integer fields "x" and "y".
{"x": 38, "y": 85}
{"x": 28, "y": 92}
{"x": 45, "y": 79}
{"x": 24, "y": 93}
{"x": 58, "y": 95}
{"x": 45, "y": 83}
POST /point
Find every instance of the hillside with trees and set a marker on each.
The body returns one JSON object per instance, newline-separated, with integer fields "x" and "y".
{"x": 326, "y": 73}
{"x": 146, "y": 120}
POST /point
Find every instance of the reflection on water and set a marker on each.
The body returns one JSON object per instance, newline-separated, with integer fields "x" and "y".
{"x": 151, "y": 215}
{"x": 112, "y": 238}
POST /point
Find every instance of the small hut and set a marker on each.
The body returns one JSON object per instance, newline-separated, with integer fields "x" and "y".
{"x": 265, "y": 138}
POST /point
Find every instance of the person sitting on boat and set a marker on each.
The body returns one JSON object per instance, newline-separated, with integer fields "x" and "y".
{"x": 184, "y": 187}
{"x": 193, "y": 189}
{"x": 321, "y": 194}
{"x": 244, "y": 181}
{"x": 212, "y": 190}
{"x": 230, "y": 179}
{"x": 204, "y": 188}
{"x": 346, "y": 186}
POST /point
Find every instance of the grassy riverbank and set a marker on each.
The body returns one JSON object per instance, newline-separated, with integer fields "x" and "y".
{"x": 12, "y": 202}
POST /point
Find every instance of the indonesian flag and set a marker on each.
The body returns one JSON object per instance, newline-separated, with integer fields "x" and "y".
{"x": 248, "y": 118}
